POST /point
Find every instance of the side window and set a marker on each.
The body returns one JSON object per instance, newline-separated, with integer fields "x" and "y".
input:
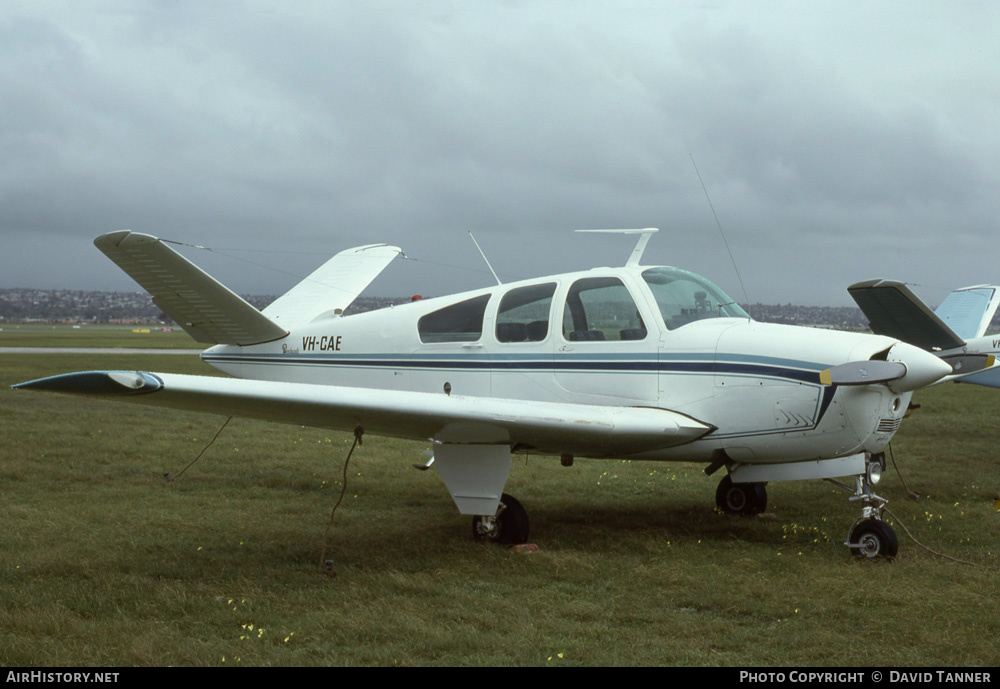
{"x": 523, "y": 315}
{"x": 461, "y": 322}
{"x": 601, "y": 309}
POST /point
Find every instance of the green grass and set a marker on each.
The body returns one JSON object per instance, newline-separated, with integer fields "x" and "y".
{"x": 103, "y": 562}
{"x": 57, "y": 335}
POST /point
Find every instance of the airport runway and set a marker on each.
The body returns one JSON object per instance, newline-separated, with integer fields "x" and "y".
{"x": 94, "y": 350}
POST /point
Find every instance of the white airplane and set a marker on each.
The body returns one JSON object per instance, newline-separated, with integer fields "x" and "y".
{"x": 634, "y": 362}
{"x": 955, "y": 331}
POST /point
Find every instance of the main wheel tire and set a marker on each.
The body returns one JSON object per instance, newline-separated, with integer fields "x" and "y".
{"x": 508, "y": 527}
{"x": 747, "y": 499}
{"x": 874, "y": 538}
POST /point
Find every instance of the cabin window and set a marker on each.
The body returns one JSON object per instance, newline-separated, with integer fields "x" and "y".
{"x": 684, "y": 297}
{"x": 601, "y": 309}
{"x": 523, "y": 315}
{"x": 461, "y": 322}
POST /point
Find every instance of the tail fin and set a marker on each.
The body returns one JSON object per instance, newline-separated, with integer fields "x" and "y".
{"x": 212, "y": 313}
{"x": 333, "y": 286}
{"x": 893, "y": 310}
{"x": 959, "y": 321}
{"x": 969, "y": 310}
{"x": 199, "y": 303}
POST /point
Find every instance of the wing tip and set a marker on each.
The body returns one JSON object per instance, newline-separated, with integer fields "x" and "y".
{"x": 103, "y": 383}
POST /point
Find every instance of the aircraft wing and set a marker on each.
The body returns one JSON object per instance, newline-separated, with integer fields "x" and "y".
{"x": 557, "y": 428}
{"x": 989, "y": 378}
{"x": 895, "y": 311}
{"x": 208, "y": 310}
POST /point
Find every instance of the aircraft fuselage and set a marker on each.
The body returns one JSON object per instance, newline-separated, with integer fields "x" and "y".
{"x": 633, "y": 336}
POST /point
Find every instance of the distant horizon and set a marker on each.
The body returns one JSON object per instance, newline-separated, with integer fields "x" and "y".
{"x": 402, "y": 297}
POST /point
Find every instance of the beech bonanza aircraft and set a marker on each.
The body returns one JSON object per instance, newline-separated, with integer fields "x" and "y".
{"x": 955, "y": 331}
{"x": 636, "y": 362}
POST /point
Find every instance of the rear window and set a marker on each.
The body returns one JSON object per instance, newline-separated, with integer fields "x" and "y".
{"x": 461, "y": 322}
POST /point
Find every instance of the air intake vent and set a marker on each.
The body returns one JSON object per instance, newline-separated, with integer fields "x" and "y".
{"x": 888, "y": 425}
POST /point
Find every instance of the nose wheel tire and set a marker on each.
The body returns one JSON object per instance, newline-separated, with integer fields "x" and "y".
{"x": 509, "y": 526}
{"x": 747, "y": 499}
{"x": 874, "y": 538}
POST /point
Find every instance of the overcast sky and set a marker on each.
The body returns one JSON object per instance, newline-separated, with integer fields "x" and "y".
{"x": 838, "y": 141}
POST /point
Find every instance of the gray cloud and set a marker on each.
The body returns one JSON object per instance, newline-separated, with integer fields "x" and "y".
{"x": 836, "y": 145}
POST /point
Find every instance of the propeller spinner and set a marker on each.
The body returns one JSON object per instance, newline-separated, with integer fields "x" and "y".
{"x": 905, "y": 368}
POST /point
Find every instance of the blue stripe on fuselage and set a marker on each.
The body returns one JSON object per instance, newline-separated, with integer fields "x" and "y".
{"x": 736, "y": 364}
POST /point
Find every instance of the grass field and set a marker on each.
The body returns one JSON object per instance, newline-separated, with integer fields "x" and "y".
{"x": 128, "y": 336}
{"x": 106, "y": 563}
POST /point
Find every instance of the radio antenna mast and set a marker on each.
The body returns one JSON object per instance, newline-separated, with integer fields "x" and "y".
{"x": 719, "y": 225}
{"x": 484, "y": 258}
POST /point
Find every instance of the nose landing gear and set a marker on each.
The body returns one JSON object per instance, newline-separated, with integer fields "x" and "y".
{"x": 742, "y": 492}
{"x": 873, "y": 538}
{"x": 870, "y": 537}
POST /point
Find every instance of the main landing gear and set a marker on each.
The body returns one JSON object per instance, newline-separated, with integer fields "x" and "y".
{"x": 509, "y": 526}
{"x": 747, "y": 499}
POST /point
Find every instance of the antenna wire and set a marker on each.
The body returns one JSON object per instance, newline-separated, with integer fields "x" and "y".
{"x": 724, "y": 240}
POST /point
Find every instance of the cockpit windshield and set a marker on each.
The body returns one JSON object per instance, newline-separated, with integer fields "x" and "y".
{"x": 684, "y": 297}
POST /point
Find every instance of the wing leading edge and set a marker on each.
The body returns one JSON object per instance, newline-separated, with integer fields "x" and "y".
{"x": 584, "y": 430}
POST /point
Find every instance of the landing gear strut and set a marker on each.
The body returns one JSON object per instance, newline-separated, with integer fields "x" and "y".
{"x": 509, "y": 526}
{"x": 870, "y": 537}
